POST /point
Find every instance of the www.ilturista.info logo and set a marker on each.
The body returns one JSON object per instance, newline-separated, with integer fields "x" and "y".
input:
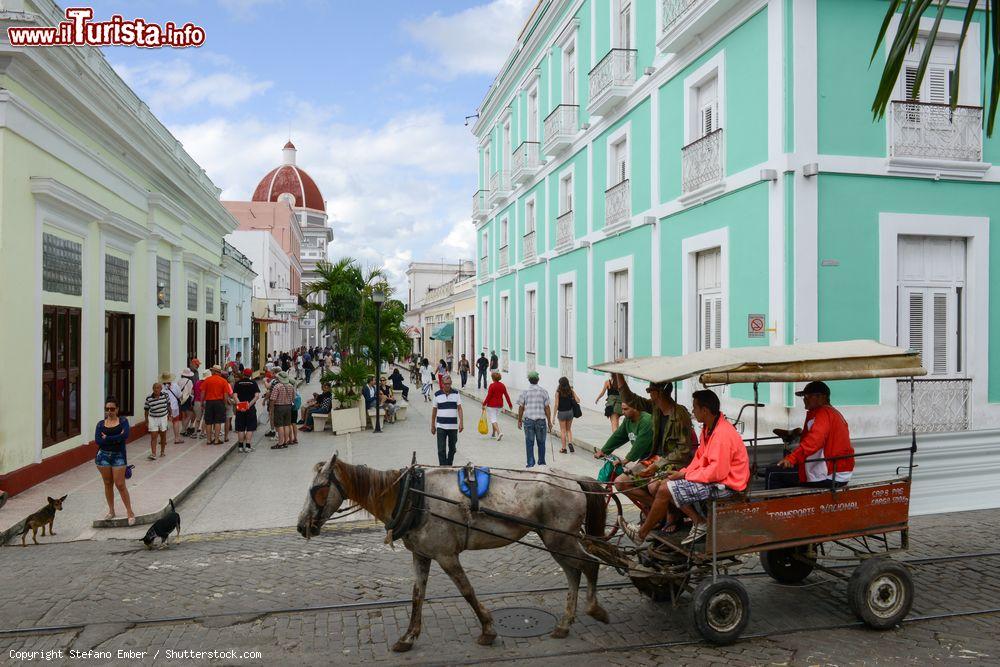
{"x": 79, "y": 30}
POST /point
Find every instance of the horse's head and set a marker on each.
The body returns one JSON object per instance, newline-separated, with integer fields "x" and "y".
{"x": 325, "y": 497}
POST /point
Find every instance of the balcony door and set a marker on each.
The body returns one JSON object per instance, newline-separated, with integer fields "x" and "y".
{"x": 504, "y": 334}
{"x": 192, "y": 339}
{"x": 620, "y": 315}
{"x": 211, "y": 343}
{"x": 624, "y": 24}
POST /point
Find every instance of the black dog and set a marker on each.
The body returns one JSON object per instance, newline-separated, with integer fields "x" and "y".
{"x": 163, "y": 527}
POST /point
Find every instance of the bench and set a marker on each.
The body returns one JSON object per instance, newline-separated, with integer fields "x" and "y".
{"x": 400, "y": 413}
{"x": 321, "y": 421}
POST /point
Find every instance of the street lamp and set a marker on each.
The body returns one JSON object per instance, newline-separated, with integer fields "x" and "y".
{"x": 378, "y": 298}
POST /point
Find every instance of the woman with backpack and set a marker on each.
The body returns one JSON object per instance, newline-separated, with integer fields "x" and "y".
{"x": 567, "y": 407}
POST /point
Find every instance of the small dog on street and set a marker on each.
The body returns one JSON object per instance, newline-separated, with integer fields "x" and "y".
{"x": 40, "y": 519}
{"x": 163, "y": 527}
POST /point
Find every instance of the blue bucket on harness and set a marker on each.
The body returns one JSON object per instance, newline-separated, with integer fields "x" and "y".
{"x": 482, "y": 482}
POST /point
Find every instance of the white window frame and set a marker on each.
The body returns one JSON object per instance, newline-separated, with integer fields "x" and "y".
{"x": 531, "y": 332}
{"x": 506, "y": 142}
{"x": 486, "y": 323}
{"x": 570, "y": 75}
{"x": 969, "y": 85}
{"x": 714, "y": 67}
{"x": 690, "y": 247}
{"x": 623, "y": 133}
{"x": 566, "y": 344}
{"x": 611, "y": 267}
{"x": 566, "y": 41}
{"x": 533, "y": 127}
{"x": 701, "y": 292}
{"x": 531, "y": 201}
{"x": 615, "y": 7}
{"x": 505, "y": 325}
{"x": 976, "y": 232}
{"x": 565, "y": 175}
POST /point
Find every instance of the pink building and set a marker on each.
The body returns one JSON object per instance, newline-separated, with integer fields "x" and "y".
{"x": 280, "y": 220}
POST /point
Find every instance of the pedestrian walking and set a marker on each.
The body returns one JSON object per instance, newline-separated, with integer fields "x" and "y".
{"x": 282, "y": 405}
{"x": 494, "y": 361}
{"x": 111, "y": 435}
{"x": 450, "y": 359}
{"x": 612, "y": 403}
{"x": 157, "y": 411}
{"x": 482, "y": 365}
{"x": 173, "y": 396}
{"x": 567, "y": 407}
{"x": 247, "y": 396}
{"x": 447, "y": 421}
{"x": 426, "y": 379}
{"x": 463, "y": 370}
{"x": 397, "y": 383}
{"x": 216, "y": 392}
{"x": 493, "y": 404}
{"x": 308, "y": 366}
{"x": 199, "y": 405}
{"x": 442, "y": 371}
{"x": 185, "y": 391}
{"x": 534, "y": 415}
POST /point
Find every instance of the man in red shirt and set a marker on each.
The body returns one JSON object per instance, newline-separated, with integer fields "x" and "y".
{"x": 825, "y": 435}
{"x": 216, "y": 390}
{"x": 720, "y": 468}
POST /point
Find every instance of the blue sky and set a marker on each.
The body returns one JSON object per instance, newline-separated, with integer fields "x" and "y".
{"x": 375, "y": 95}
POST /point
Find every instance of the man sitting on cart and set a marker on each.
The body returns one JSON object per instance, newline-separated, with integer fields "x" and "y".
{"x": 637, "y": 430}
{"x": 720, "y": 468}
{"x": 825, "y": 435}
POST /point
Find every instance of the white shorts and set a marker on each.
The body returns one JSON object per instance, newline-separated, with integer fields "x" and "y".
{"x": 492, "y": 414}
{"x": 156, "y": 424}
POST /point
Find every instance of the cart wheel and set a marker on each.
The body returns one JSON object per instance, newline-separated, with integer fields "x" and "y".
{"x": 787, "y": 566}
{"x": 880, "y": 592}
{"x": 721, "y": 609}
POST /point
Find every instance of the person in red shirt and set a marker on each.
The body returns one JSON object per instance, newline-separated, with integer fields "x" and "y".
{"x": 493, "y": 403}
{"x": 720, "y": 468}
{"x": 825, "y": 435}
{"x": 216, "y": 390}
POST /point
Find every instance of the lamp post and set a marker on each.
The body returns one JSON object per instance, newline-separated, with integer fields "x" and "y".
{"x": 378, "y": 298}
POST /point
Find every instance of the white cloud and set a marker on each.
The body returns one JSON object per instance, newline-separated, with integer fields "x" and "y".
{"x": 176, "y": 85}
{"x": 396, "y": 192}
{"x": 476, "y": 40}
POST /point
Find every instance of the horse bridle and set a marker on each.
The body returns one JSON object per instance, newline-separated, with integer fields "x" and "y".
{"x": 331, "y": 480}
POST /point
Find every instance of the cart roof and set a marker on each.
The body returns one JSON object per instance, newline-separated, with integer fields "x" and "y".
{"x": 842, "y": 360}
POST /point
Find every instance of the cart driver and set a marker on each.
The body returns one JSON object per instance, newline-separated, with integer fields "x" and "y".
{"x": 720, "y": 468}
{"x": 824, "y": 435}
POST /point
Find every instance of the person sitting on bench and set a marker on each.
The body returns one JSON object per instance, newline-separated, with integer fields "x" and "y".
{"x": 321, "y": 404}
{"x": 825, "y": 435}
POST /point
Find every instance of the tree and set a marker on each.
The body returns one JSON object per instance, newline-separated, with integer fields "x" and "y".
{"x": 910, "y": 12}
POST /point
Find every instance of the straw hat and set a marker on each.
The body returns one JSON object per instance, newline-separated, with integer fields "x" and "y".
{"x": 166, "y": 377}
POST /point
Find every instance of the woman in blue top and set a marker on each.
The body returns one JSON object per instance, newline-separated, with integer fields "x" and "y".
{"x": 111, "y": 435}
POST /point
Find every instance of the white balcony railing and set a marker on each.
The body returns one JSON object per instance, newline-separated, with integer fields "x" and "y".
{"x": 672, "y": 11}
{"x": 442, "y": 291}
{"x": 499, "y": 187}
{"x": 529, "y": 251}
{"x": 617, "y": 206}
{"x": 560, "y": 128}
{"x": 701, "y": 162}
{"x": 565, "y": 233}
{"x": 530, "y": 362}
{"x": 480, "y": 208}
{"x": 938, "y": 406}
{"x": 683, "y": 22}
{"x": 566, "y": 367}
{"x": 611, "y": 80}
{"x": 504, "y": 256}
{"x": 525, "y": 161}
{"x": 936, "y": 131}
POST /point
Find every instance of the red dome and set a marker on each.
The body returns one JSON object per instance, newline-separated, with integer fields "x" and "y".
{"x": 291, "y": 179}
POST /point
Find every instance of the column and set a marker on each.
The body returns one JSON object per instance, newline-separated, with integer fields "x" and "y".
{"x": 178, "y": 310}
{"x": 146, "y": 330}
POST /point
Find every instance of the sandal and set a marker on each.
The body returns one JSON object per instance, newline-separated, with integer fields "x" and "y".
{"x": 109, "y": 516}
{"x": 562, "y": 451}
{"x": 150, "y": 457}
{"x": 131, "y": 521}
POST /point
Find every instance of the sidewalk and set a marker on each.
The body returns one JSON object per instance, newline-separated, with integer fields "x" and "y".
{"x": 152, "y": 485}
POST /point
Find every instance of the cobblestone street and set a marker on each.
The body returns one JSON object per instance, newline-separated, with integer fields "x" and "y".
{"x": 265, "y": 590}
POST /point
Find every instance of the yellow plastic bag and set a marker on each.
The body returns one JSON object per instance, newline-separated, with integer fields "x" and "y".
{"x": 484, "y": 428}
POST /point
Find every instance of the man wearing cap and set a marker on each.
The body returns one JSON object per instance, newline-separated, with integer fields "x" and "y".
{"x": 673, "y": 434}
{"x": 248, "y": 394}
{"x": 534, "y": 415}
{"x": 216, "y": 390}
{"x": 825, "y": 435}
{"x": 173, "y": 395}
{"x": 282, "y": 400}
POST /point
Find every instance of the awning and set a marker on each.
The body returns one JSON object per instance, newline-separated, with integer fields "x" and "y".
{"x": 445, "y": 331}
{"x": 847, "y": 360}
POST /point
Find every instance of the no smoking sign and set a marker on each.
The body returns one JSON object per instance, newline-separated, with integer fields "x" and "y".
{"x": 756, "y": 325}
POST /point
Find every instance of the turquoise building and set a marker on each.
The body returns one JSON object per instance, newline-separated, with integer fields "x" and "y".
{"x": 658, "y": 177}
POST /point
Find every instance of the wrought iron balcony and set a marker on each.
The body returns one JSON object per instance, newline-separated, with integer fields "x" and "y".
{"x": 525, "y": 162}
{"x": 499, "y": 187}
{"x": 682, "y": 21}
{"x": 504, "y": 256}
{"x": 566, "y": 367}
{"x": 938, "y": 406}
{"x": 529, "y": 250}
{"x": 560, "y": 128}
{"x": 936, "y": 131}
{"x": 611, "y": 80}
{"x": 480, "y": 209}
{"x": 565, "y": 233}
{"x": 617, "y": 206}
{"x": 701, "y": 162}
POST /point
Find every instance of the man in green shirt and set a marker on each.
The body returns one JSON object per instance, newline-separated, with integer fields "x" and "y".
{"x": 636, "y": 429}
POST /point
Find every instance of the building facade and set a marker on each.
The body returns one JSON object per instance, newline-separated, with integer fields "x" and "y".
{"x": 235, "y": 305}
{"x": 110, "y": 246}
{"x": 661, "y": 177}
{"x": 289, "y": 182}
{"x": 431, "y": 285}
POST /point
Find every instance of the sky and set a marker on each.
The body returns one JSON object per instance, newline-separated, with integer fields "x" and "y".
{"x": 374, "y": 96}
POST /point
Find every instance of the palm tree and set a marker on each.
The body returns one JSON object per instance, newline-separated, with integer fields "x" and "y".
{"x": 910, "y": 12}
{"x": 342, "y": 284}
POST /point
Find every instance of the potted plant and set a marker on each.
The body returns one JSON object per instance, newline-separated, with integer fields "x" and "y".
{"x": 348, "y": 413}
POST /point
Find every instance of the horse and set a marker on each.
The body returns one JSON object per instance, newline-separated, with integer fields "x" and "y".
{"x": 551, "y": 506}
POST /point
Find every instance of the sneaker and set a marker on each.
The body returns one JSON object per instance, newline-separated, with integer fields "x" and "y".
{"x": 248, "y": 449}
{"x": 241, "y": 449}
{"x": 698, "y": 531}
{"x": 269, "y": 434}
{"x": 500, "y": 437}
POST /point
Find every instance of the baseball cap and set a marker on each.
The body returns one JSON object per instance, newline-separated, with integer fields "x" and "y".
{"x": 815, "y": 387}
{"x": 247, "y": 372}
{"x": 533, "y": 375}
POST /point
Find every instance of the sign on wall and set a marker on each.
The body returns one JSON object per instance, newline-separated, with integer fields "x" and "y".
{"x": 756, "y": 325}
{"x": 287, "y": 307}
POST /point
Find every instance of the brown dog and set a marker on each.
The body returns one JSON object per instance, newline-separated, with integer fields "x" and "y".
{"x": 40, "y": 519}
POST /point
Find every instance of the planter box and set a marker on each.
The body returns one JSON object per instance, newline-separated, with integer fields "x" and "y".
{"x": 346, "y": 420}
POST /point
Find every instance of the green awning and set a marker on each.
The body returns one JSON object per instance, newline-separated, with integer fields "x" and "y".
{"x": 445, "y": 331}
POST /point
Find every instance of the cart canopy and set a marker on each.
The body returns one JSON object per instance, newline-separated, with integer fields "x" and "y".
{"x": 842, "y": 360}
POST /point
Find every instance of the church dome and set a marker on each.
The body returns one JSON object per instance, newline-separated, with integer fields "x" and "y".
{"x": 291, "y": 179}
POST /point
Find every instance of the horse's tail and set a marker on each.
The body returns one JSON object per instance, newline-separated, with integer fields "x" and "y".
{"x": 597, "y": 508}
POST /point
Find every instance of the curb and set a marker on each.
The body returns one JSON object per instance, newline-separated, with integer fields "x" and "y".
{"x": 152, "y": 517}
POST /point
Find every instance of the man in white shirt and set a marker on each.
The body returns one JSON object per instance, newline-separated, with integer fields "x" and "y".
{"x": 447, "y": 421}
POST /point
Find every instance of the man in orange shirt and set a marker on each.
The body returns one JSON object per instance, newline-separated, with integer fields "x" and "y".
{"x": 825, "y": 435}
{"x": 720, "y": 467}
{"x": 217, "y": 391}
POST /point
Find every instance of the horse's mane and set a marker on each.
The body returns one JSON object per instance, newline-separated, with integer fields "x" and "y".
{"x": 374, "y": 490}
